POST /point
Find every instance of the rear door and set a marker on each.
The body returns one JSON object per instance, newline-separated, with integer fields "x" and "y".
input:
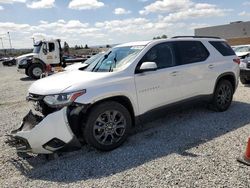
{"x": 192, "y": 58}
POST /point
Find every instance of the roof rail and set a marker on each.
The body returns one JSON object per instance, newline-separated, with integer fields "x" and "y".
{"x": 195, "y": 37}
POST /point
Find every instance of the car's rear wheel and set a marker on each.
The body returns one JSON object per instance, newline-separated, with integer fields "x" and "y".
{"x": 222, "y": 97}
{"x": 35, "y": 71}
{"x": 107, "y": 126}
{"x": 244, "y": 80}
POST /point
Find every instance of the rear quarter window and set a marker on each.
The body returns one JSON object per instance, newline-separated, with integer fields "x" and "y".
{"x": 190, "y": 52}
{"x": 222, "y": 47}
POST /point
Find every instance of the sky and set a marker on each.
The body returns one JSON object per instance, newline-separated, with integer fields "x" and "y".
{"x": 101, "y": 22}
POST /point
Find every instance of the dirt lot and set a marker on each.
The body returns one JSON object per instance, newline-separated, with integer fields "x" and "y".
{"x": 193, "y": 147}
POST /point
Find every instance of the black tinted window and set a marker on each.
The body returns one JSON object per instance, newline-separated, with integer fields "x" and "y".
{"x": 161, "y": 54}
{"x": 223, "y": 48}
{"x": 190, "y": 52}
{"x": 51, "y": 47}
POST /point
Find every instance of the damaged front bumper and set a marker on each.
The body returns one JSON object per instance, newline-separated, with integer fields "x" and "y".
{"x": 43, "y": 135}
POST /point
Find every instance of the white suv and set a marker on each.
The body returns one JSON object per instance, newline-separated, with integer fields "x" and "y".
{"x": 101, "y": 103}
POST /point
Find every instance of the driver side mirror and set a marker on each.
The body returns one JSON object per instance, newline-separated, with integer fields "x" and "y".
{"x": 148, "y": 66}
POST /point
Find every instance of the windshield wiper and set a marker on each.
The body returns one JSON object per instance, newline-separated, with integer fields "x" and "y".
{"x": 105, "y": 57}
{"x": 111, "y": 68}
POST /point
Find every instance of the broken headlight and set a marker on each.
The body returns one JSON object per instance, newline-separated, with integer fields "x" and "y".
{"x": 62, "y": 99}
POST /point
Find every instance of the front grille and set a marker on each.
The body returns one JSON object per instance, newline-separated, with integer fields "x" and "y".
{"x": 38, "y": 105}
{"x": 248, "y": 65}
{"x": 34, "y": 97}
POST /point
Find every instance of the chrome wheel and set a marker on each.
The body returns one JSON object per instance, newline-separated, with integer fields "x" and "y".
{"x": 109, "y": 127}
{"x": 224, "y": 95}
{"x": 37, "y": 71}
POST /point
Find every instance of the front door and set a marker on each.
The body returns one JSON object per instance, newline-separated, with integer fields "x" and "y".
{"x": 160, "y": 87}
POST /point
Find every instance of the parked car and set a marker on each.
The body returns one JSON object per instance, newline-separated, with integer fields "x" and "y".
{"x": 101, "y": 103}
{"x": 9, "y": 61}
{"x": 245, "y": 70}
{"x": 243, "y": 51}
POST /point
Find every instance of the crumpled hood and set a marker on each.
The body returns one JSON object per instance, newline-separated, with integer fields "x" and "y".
{"x": 240, "y": 54}
{"x": 75, "y": 66}
{"x": 59, "y": 82}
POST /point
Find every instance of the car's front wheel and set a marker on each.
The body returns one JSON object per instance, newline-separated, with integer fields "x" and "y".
{"x": 222, "y": 97}
{"x": 107, "y": 126}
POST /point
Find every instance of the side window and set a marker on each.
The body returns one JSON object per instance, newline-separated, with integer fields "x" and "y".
{"x": 190, "y": 52}
{"x": 223, "y": 48}
{"x": 161, "y": 54}
{"x": 51, "y": 47}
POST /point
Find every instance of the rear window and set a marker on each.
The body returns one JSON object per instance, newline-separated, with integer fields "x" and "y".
{"x": 223, "y": 48}
{"x": 190, "y": 52}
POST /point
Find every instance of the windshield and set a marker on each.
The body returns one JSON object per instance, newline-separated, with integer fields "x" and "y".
{"x": 37, "y": 47}
{"x": 92, "y": 59}
{"x": 115, "y": 59}
{"x": 242, "y": 49}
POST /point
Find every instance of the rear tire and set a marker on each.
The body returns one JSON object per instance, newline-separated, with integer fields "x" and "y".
{"x": 107, "y": 126}
{"x": 244, "y": 80}
{"x": 222, "y": 97}
{"x": 35, "y": 71}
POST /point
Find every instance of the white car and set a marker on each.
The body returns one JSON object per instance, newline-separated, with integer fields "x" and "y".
{"x": 243, "y": 52}
{"x": 101, "y": 103}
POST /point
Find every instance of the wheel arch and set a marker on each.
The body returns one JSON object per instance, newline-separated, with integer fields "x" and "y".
{"x": 121, "y": 99}
{"x": 230, "y": 76}
{"x": 37, "y": 60}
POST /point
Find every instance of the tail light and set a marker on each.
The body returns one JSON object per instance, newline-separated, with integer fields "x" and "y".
{"x": 237, "y": 61}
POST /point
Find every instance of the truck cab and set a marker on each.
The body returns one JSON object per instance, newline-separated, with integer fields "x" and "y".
{"x": 44, "y": 53}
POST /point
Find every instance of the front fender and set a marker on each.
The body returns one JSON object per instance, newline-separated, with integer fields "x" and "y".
{"x": 99, "y": 96}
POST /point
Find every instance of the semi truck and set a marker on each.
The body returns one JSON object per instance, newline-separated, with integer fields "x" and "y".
{"x": 45, "y": 53}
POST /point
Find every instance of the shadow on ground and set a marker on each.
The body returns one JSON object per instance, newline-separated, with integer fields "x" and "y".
{"x": 26, "y": 79}
{"x": 177, "y": 132}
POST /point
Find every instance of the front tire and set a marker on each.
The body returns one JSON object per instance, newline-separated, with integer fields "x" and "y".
{"x": 35, "y": 71}
{"x": 222, "y": 97}
{"x": 107, "y": 126}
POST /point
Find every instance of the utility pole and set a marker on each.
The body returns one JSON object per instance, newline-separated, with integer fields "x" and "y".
{"x": 10, "y": 42}
{"x": 2, "y": 45}
{"x": 9, "y": 39}
{"x": 2, "y": 42}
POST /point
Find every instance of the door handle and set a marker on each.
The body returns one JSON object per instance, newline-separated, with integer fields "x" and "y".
{"x": 174, "y": 73}
{"x": 211, "y": 66}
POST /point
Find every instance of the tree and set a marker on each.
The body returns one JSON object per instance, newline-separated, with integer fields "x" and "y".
{"x": 164, "y": 37}
{"x": 86, "y": 46}
{"x": 107, "y": 46}
{"x": 66, "y": 47}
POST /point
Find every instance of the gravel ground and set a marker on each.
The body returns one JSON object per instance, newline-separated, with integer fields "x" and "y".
{"x": 193, "y": 147}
